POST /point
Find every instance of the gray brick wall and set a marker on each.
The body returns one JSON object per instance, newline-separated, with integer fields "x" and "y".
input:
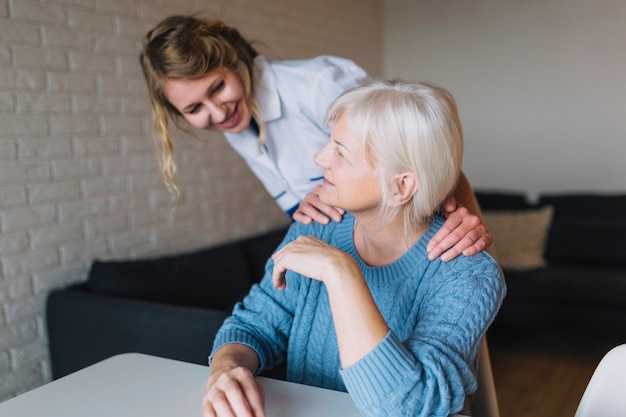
{"x": 78, "y": 174}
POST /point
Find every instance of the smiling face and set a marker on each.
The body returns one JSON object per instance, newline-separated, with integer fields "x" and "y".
{"x": 349, "y": 180}
{"x": 215, "y": 101}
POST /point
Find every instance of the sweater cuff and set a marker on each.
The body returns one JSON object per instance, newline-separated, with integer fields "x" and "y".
{"x": 378, "y": 373}
{"x": 241, "y": 337}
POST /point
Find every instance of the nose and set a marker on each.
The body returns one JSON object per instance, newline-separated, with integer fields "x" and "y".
{"x": 217, "y": 111}
{"x": 321, "y": 157}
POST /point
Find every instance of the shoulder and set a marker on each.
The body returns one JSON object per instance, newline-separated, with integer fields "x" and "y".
{"x": 319, "y": 70}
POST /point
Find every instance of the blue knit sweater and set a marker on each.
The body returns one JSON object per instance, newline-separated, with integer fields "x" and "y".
{"x": 437, "y": 313}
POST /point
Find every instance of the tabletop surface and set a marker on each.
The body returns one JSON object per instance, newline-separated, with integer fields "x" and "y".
{"x": 137, "y": 385}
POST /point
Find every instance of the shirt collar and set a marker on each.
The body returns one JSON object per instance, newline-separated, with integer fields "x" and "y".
{"x": 265, "y": 90}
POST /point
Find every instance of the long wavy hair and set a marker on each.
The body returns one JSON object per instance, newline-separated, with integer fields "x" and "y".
{"x": 188, "y": 47}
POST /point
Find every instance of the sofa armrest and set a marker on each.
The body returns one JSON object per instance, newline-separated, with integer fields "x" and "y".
{"x": 85, "y": 328}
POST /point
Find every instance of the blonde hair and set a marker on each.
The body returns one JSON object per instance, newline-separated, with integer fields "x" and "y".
{"x": 188, "y": 47}
{"x": 406, "y": 127}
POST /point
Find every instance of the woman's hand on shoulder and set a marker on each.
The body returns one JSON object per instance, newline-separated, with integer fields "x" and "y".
{"x": 311, "y": 209}
{"x": 462, "y": 233}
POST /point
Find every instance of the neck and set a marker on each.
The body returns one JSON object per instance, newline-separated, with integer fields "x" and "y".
{"x": 380, "y": 245}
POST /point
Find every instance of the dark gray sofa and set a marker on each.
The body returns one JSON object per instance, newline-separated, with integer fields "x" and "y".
{"x": 169, "y": 306}
{"x": 582, "y": 285}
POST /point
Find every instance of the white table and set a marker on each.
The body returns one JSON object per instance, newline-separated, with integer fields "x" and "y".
{"x": 137, "y": 385}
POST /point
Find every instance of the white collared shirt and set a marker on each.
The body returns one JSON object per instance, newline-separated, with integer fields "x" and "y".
{"x": 294, "y": 97}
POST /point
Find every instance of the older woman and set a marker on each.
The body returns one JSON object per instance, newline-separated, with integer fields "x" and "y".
{"x": 357, "y": 305}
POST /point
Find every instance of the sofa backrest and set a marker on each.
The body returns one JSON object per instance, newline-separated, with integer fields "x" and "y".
{"x": 215, "y": 277}
{"x": 587, "y": 229}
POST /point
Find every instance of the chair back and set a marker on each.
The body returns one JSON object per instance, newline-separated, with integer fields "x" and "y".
{"x": 605, "y": 395}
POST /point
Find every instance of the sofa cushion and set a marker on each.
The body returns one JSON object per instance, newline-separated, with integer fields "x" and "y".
{"x": 588, "y": 241}
{"x": 587, "y": 229}
{"x": 213, "y": 278}
{"x": 519, "y": 236}
{"x": 582, "y": 286}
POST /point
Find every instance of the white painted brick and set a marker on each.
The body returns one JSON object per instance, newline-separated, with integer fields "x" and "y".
{"x": 43, "y": 149}
{"x": 43, "y": 102}
{"x": 22, "y": 79}
{"x": 38, "y": 11}
{"x": 18, "y": 288}
{"x": 55, "y": 235}
{"x": 13, "y": 242}
{"x": 137, "y": 202}
{"x": 63, "y": 37}
{"x": 15, "y": 219}
{"x": 12, "y": 195}
{"x": 20, "y": 311}
{"x": 22, "y": 125}
{"x": 128, "y": 65}
{"x": 130, "y": 164}
{"x": 28, "y": 354}
{"x": 36, "y": 57}
{"x": 7, "y": 102}
{"x": 20, "y": 32}
{"x": 48, "y": 192}
{"x": 117, "y": 6}
{"x": 5, "y": 56}
{"x": 70, "y": 211}
{"x": 104, "y": 226}
{"x": 105, "y": 186}
{"x": 97, "y": 104}
{"x": 69, "y": 168}
{"x": 63, "y": 125}
{"x": 132, "y": 86}
{"x": 101, "y": 63}
{"x": 94, "y": 145}
{"x": 75, "y": 251}
{"x": 46, "y": 281}
{"x": 74, "y": 82}
{"x": 23, "y": 171}
{"x": 21, "y": 263}
{"x": 8, "y": 150}
{"x": 137, "y": 29}
{"x": 16, "y": 383}
{"x": 139, "y": 105}
{"x": 18, "y": 333}
{"x": 113, "y": 124}
{"x": 129, "y": 46}
{"x": 5, "y": 360}
{"x": 88, "y": 20}
{"x": 126, "y": 243}
{"x": 137, "y": 144}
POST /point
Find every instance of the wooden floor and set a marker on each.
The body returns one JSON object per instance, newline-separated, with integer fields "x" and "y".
{"x": 543, "y": 375}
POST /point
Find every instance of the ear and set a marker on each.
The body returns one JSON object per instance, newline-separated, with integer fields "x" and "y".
{"x": 406, "y": 187}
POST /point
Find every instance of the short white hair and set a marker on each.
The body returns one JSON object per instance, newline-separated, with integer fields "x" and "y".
{"x": 406, "y": 127}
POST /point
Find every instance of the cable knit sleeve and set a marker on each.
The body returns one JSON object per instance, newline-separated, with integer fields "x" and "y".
{"x": 430, "y": 372}
{"x": 262, "y": 320}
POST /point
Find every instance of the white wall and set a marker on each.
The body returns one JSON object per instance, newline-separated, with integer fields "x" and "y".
{"x": 541, "y": 85}
{"x": 78, "y": 174}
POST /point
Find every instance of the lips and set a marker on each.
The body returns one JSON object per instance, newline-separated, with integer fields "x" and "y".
{"x": 326, "y": 182}
{"x": 232, "y": 121}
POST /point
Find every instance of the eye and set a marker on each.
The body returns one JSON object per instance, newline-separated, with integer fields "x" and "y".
{"x": 218, "y": 87}
{"x": 338, "y": 152}
{"x": 194, "y": 109}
